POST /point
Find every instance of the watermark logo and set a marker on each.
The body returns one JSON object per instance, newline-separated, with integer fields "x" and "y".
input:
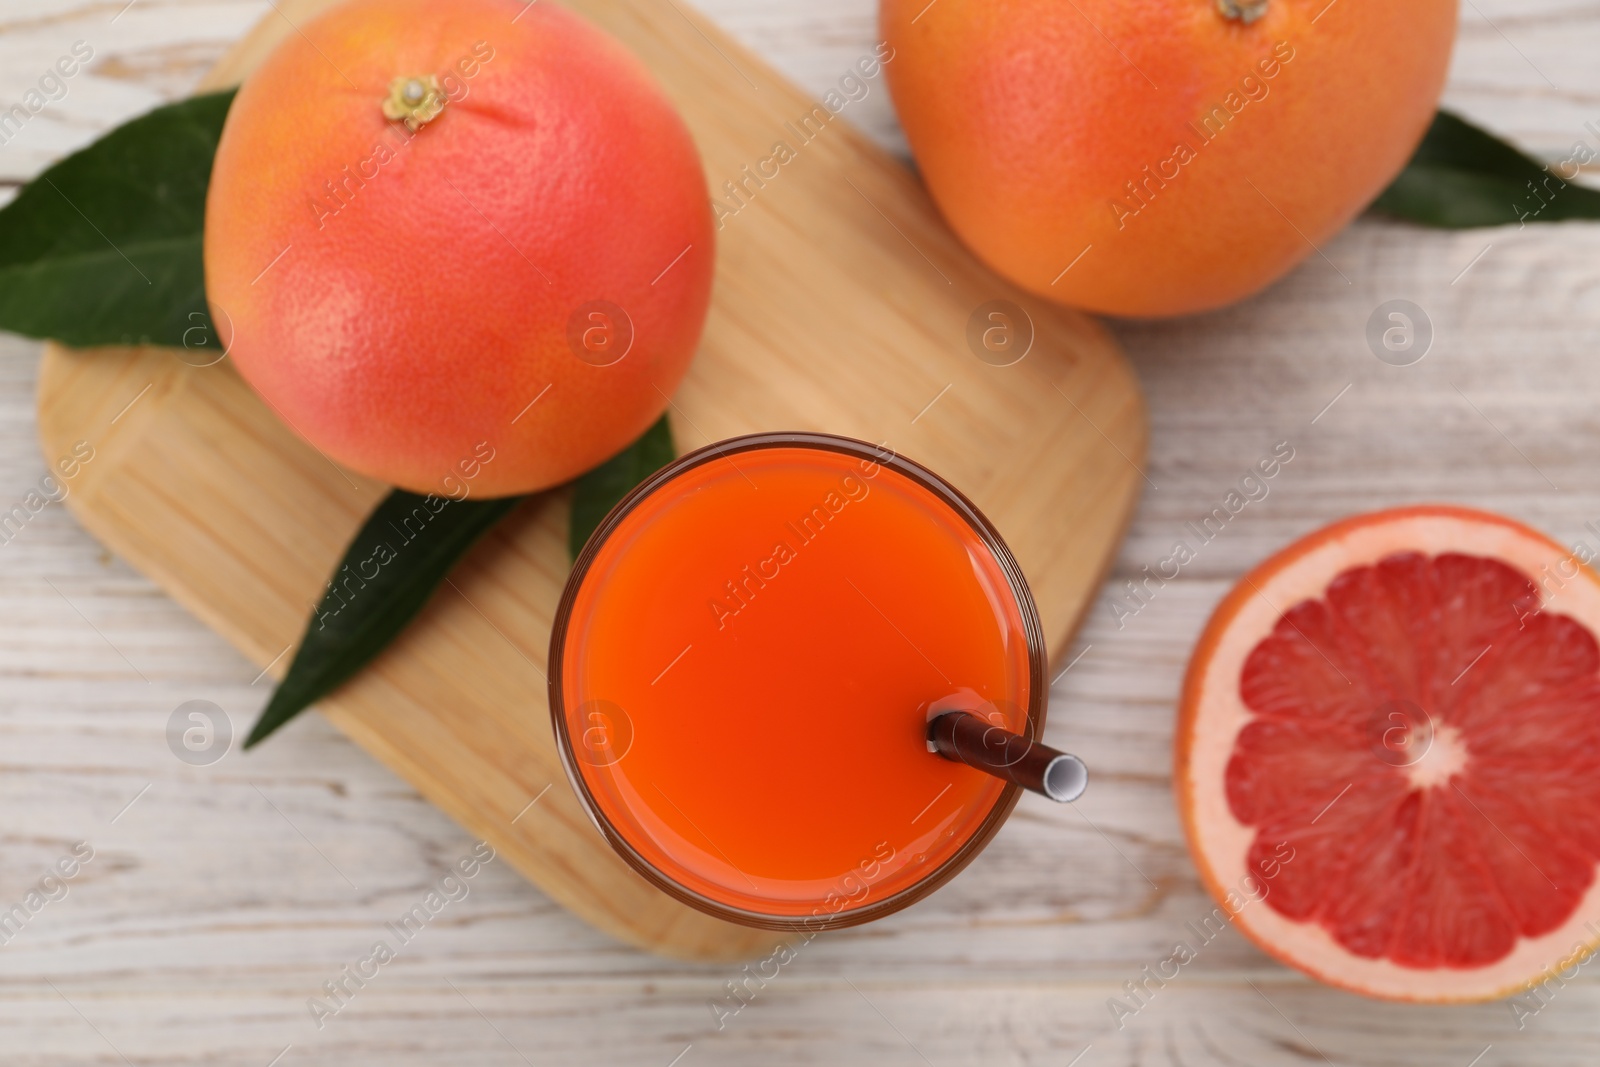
{"x": 1399, "y": 332}
{"x": 852, "y": 887}
{"x": 995, "y": 747}
{"x": 414, "y": 102}
{"x": 52, "y": 488}
{"x": 604, "y": 733}
{"x": 740, "y": 191}
{"x": 1000, "y": 333}
{"x": 50, "y": 888}
{"x": 1401, "y": 733}
{"x": 600, "y": 333}
{"x": 199, "y": 733}
{"x": 51, "y": 87}
{"x": 451, "y": 888}
{"x": 202, "y": 342}
{"x": 1252, "y": 888}
{"x": 1252, "y": 487}
{"x": 1143, "y": 188}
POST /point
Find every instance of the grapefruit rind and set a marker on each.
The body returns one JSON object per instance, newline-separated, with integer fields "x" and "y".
{"x": 1211, "y": 715}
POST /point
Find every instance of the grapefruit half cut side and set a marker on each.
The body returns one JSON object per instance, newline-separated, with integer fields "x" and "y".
{"x": 1388, "y": 755}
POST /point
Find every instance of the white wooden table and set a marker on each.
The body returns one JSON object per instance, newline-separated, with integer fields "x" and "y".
{"x": 220, "y": 898}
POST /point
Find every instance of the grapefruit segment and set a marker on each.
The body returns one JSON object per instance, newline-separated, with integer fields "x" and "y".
{"x": 1394, "y": 725}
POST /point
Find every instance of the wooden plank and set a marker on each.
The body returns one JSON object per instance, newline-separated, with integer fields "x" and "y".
{"x": 841, "y": 304}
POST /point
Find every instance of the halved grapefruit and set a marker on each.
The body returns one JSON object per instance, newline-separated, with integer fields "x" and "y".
{"x": 1388, "y": 755}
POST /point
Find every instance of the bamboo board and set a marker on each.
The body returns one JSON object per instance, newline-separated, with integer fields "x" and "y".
{"x": 842, "y": 304}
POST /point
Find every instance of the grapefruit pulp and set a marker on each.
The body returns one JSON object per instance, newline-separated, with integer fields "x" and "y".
{"x": 1393, "y": 726}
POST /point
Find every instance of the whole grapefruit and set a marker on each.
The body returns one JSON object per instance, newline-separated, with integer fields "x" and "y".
{"x": 1388, "y": 755}
{"x": 458, "y": 244}
{"x": 1165, "y": 156}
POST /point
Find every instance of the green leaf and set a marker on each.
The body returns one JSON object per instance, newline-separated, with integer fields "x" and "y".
{"x": 105, "y": 246}
{"x": 405, "y": 549}
{"x": 1462, "y": 176}
{"x": 604, "y": 487}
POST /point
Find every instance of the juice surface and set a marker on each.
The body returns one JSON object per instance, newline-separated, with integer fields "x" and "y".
{"x": 750, "y": 665}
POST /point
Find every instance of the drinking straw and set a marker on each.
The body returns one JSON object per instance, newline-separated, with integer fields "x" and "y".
{"x": 965, "y": 738}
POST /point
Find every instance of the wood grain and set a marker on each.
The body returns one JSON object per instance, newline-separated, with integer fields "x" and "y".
{"x": 841, "y": 304}
{"x": 218, "y": 910}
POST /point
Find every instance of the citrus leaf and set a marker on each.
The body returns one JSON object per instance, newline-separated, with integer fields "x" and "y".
{"x": 1462, "y": 176}
{"x": 105, "y": 246}
{"x": 604, "y": 487}
{"x": 401, "y": 554}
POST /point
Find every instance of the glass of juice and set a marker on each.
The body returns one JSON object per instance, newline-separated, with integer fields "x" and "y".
{"x": 745, "y": 666}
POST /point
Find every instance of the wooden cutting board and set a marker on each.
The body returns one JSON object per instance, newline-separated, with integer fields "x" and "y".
{"x": 842, "y": 303}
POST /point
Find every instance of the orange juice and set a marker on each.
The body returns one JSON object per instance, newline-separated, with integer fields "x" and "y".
{"x": 744, "y": 667}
